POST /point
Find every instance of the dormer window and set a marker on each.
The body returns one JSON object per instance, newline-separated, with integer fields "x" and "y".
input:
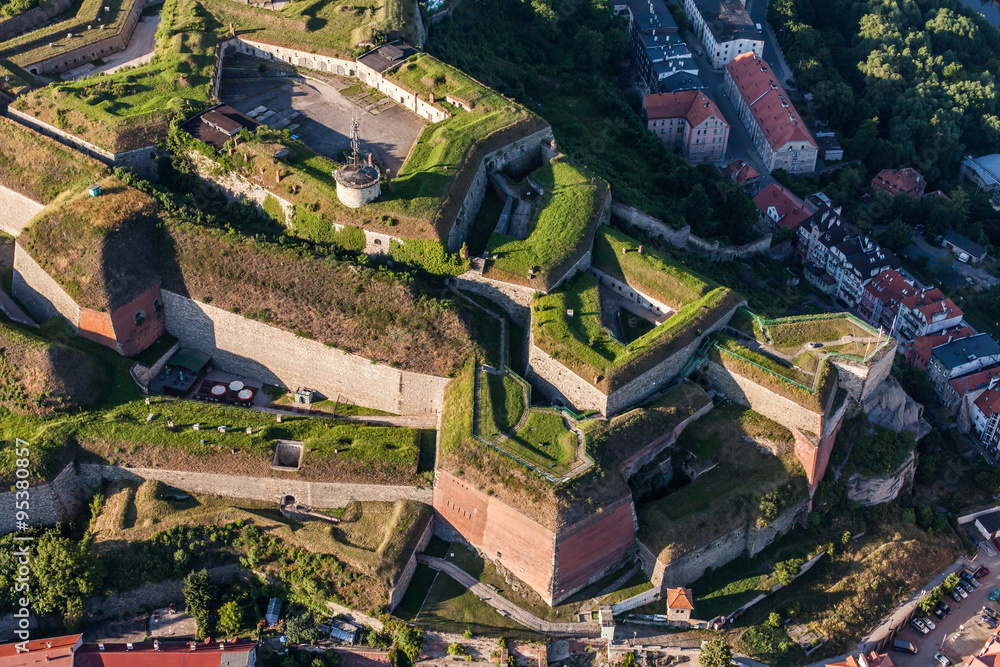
{"x": 140, "y": 317}
{"x": 157, "y": 305}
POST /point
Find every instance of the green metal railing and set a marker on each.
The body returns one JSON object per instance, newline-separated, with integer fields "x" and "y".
{"x": 792, "y": 319}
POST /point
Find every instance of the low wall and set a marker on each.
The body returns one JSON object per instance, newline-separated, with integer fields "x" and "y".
{"x": 514, "y": 299}
{"x": 559, "y": 383}
{"x": 65, "y": 496}
{"x": 22, "y": 23}
{"x": 39, "y": 293}
{"x": 256, "y": 350}
{"x": 631, "y": 465}
{"x": 745, "y": 391}
{"x": 295, "y": 57}
{"x": 399, "y": 588}
{"x": 17, "y": 209}
{"x": 691, "y": 566}
{"x": 683, "y": 238}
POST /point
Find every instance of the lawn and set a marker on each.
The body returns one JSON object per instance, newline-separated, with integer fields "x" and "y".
{"x": 722, "y": 499}
{"x": 546, "y": 442}
{"x": 580, "y": 342}
{"x": 452, "y": 607}
{"x": 132, "y": 108}
{"x": 502, "y": 403}
{"x": 46, "y": 42}
{"x": 633, "y": 327}
{"x": 569, "y": 211}
{"x": 40, "y": 168}
{"x": 416, "y": 593}
{"x": 649, "y": 272}
{"x": 789, "y": 335}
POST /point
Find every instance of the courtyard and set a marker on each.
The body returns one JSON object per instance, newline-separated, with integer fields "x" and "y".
{"x": 319, "y": 111}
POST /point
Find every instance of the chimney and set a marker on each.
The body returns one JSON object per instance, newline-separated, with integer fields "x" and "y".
{"x": 277, "y": 176}
{"x": 128, "y": 647}
{"x": 156, "y": 644}
{"x": 863, "y": 660}
{"x": 232, "y": 29}
{"x": 432, "y": 98}
{"x": 100, "y": 647}
{"x": 369, "y": 159}
{"x": 194, "y": 646}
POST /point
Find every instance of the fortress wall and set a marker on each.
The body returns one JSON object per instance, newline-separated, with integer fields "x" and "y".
{"x": 519, "y": 154}
{"x": 18, "y": 211}
{"x": 745, "y": 391}
{"x": 500, "y": 532}
{"x": 294, "y": 57}
{"x": 40, "y": 294}
{"x": 399, "y": 588}
{"x": 514, "y": 299}
{"x": 658, "y": 376}
{"x": 645, "y": 455}
{"x": 22, "y": 23}
{"x": 559, "y": 383}
{"x": 257, "y": 350}
{"x": 860, "y": 380}
{"x": 592, "y": 548}
{"x": 632, "y": 293}
{"x": 692, "y": 565}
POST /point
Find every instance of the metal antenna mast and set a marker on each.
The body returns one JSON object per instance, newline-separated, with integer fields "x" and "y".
{"x": 356, "y": 138}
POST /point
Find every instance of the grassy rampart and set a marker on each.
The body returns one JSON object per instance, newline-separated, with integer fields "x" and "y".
{"x": 40, "y": 168}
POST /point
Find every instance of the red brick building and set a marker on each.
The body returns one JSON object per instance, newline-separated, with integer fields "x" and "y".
{"x": 690, "y": 123}
{"x": 903, "y": 181}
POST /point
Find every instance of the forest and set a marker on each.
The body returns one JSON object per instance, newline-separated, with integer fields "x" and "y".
{"x": 561, "y": 58}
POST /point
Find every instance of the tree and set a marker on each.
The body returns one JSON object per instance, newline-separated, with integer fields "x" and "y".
{"x": 199, "y": 595}
{"x": 787, "y": 570}
{"x": 716, "y": 653}
{"x": 409, "y": 640}
{"x": 302, "y": 629}
{"x": 896, "y": 236}
{"x": 230, "y": 618}
{"x": 455, "y": 649}
{"x": 65, "y": 575}
{"x": 628, "y": 660}
{"x": 467, "y": 634}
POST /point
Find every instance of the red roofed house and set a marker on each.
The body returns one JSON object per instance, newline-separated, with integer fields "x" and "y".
{"x": 962, "y": 393}
{"x": 777, "y": 130}
{"x": 880, "y": 298}
{"x": 903, "y": 181}
{"x": 779, "y": 207}
{"x": 741, "y": 172}
{"x": 168, "y": 654}
{"x": 985, "y": 416}
{"x": 872, "y": 659}
{"x": 926, "y": 312}
{"x": 680, "y": 604}
{"x": 690, "y": 123}
{"x": 917, "y": 352}
{"x": 988, "y": 656}
{"x": 55, "y": 651}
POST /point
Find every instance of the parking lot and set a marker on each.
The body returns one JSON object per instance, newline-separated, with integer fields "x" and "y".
{"x": 961, "y": 633}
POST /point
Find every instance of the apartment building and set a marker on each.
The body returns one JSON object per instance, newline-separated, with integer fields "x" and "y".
{"x": 690, "y": 123}
{"x": 725, "y": 28}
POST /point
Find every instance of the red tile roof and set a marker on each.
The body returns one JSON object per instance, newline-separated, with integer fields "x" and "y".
{"x": 791, "y": 209}
{"x": 890, "y": 287}
{"x": 170, "y": 654}
{"x": 680, "y": 598}
{"x": 931, "y": 301}
{"x": 768, "y": 102}
{"x": 906, "y": 181}
{"x": 967, "y": 383}
{"x": 988, "y": 656}
{"x": 693, "y": 105}
{"x": 989, "y": 401}
{"x": 56, "y": 651}
{"x": 740, "y": 171}
{"x": 873, "y": 659}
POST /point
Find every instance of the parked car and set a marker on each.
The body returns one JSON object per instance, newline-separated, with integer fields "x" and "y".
{"x": 962, "y": 593}
{"x": 989, "y": 611}
{"x": 919, "y": 625}
{"x": 995, "y": 594}
{"x": 973, "y": 583}
{"x": 943, "y": 607}
{"x": 962, "y": 585}
{"x": 939, "y": 614}
{"x": 942, "y": 658}
{"x": 988, "y": 621}
{"x": 997, "y": 542}
{"x": 928, "y": 622}
{"x": 981, "y": 572}
{"x": 904, "y": 647}
{"x": 955, "y": 596}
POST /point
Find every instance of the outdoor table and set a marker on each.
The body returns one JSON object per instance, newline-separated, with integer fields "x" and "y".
{"x": 245, "y": 395}
{"x": 218, "y": 390}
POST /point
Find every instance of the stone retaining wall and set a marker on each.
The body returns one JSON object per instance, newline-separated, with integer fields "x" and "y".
{"x": 235, "y": 187}
{"x": 31, "y": 19}
{"x": 256, "y": 350}
{"x": 39, "y": 293}
{"x": 879, "y": 489}
{"x": 514, "y": 299}
{"x": 399, "y": 588}
{"x": 17, "y": 209}
{"x": 683, "y": 238}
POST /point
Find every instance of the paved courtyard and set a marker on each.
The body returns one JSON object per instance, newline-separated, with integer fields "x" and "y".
{"x": 320, "y": 114}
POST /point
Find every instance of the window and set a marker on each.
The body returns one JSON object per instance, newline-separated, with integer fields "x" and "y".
{"x": 140, "y": 317}
{"x": 157, "y": 305}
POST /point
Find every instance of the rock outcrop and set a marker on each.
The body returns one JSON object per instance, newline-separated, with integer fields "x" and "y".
{"x": 888, "y": 405}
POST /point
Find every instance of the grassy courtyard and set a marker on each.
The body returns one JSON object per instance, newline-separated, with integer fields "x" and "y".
{"x": 502, "y": 403}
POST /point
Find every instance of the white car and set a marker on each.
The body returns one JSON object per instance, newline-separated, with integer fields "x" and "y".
{"x": 961, "y": 592}
{"x": 928, "y": 622}
{"x": 943, "y": 659}
{"x": 919, "y": 625}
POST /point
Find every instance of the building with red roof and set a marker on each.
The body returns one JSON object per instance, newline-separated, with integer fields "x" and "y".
{"x": 903, "y": 181}
{"x": 917, "y": 353}
{"x": 742, "y": 173}
{"x": 871, "y": 659}
{"x": 779, "y": 207}
{"x": 55, "y": 651}
{"x": 777, "y": 129}
{"x": 880, "y": 298}
{"x": 690, "y": 123}
{"x": 988, "y": 657}
{"x": 680, "y": 604}
{"x": 925, "y": 312}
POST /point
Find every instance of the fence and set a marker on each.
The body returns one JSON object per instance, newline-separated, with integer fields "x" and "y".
{"x": 792, "y": 319}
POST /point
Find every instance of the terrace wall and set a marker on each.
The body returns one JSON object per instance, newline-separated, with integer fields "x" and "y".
{"x": 517, "y": 155}
{"x": 294, "y": 56}
{"x": 559, "y": 383}
{"x": 514, "y": 299}
{"x": 66, "y": 495}
{"x": 22, "y": 23}
{"x": 692, "y": 565}
{"x": 631, "y": 465}
{"x": 745, "y": 391}
{"x": 554, "y": 564}
{"x": 235, "y": 187}
{"x": 683, "y": 238}
{"x": 623, "y": 288}
{"x": 256, "y": 350}
{"x": 860, "y": 380}
{"x": 399, "y": 588}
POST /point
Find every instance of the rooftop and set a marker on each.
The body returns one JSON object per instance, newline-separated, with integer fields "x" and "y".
{"x": 768, "y": 102}
{"x": 781, "y": 206}
{"x": 965, "y": 244}
{"x": 218, "y": 125}
{"x": 740, "y": 171}
{"x": 728, "y": 20}
{"x": 56, "y": 651}
{"x": 989, "y": 402}
{"x": 890, "y": 287}
{"x": 872, "y": 659}
{"x": 987, "y": 168}
{"x": 959, "y": 352}
{"x": 168, "y": 654}
{"x": 930, "y": 301}
{"x": 973, "y": 381}
{"x": 903, "y": 181}
{"x": 680, "y": 81}
{"x": 680, "y": 598}
{"x": 387, "y": 57}
{"x": 693, "y": 105}
{"x": 990, "y": 521}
